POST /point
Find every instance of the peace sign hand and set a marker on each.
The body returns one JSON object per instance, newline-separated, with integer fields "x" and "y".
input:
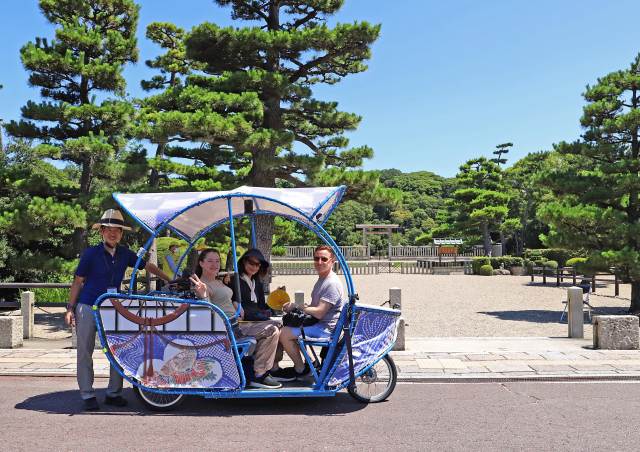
{"x": 199, "y": 287}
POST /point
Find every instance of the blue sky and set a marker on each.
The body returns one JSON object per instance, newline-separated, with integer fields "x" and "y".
{"x": 448, "y": 79}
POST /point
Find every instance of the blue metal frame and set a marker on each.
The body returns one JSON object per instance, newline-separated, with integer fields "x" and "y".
{"x": 333, "y": 355}
{"x": 217, "y": 310}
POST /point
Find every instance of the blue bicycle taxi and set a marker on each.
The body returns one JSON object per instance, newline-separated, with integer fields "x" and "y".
{"x": 169, "y": 344}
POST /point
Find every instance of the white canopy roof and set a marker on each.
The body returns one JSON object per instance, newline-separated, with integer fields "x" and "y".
{"x": 189, "y": 213}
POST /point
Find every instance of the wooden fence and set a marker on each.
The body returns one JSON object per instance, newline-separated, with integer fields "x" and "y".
{"x": 561, "y": 274}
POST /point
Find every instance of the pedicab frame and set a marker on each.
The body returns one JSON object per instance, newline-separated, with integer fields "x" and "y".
{"x": 312, "y": 209}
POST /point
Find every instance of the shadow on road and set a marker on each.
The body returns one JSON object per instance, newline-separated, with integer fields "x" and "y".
{"x": 546, "y": 316}
{"x": 68, "y": 402}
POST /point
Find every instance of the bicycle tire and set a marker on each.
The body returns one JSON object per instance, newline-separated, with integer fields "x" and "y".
{"x": 383, "y": 373}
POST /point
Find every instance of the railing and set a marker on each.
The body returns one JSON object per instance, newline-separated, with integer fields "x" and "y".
{"x": 569, "y": 273}
{"x": 397, "y": 251}
{"x": 357, "y": 252}
{"x": 141, "y": 284}
{"x": 370, "y": 268}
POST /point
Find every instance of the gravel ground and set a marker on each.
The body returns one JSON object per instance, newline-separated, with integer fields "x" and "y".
{"x": 446, "y": 306}
{"x": 474, "y": 306}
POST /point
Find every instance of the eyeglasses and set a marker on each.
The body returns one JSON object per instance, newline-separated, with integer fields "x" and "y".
{"x": 321, "y": 259}
{"x": 254, "y": 263}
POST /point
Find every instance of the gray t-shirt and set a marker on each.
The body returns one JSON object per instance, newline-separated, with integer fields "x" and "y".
{"x": 329, "y": 289}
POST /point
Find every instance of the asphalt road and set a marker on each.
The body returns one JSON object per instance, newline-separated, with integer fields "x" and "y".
{"x": 44, "y": 413}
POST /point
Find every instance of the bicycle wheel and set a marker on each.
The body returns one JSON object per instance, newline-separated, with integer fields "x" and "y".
{"x": 159, "y": 402}
{"x": 377, "y": 383}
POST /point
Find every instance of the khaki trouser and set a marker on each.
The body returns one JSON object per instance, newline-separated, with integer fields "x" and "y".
{"x": 267, "y": 334}
{"x": 86, "y": 340}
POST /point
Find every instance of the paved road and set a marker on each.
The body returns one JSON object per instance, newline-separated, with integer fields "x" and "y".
{"x": 489, "y": 416}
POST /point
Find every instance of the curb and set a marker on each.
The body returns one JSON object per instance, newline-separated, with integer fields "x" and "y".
{"x": 414, "y": 379}
{"x": 515, "y": 379}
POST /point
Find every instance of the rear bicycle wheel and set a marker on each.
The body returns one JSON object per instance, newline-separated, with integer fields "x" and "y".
{"x": 377, "y": 383}
{"x": 159, "y": 402}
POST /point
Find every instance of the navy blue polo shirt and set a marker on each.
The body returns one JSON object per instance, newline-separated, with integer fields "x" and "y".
{"x": 101, "y": 270}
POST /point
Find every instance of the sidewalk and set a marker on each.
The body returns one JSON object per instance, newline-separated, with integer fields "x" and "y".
{"x": 436, "y": 359}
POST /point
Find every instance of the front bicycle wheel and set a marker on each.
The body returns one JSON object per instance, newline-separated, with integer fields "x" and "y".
{"x": 159, "y": 402}
{"x": 377, "y": 383}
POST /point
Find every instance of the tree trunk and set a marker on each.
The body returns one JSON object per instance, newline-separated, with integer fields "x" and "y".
{"x": 635, "y": 298}
{"x": 154, "y": 177}
{"x": 486, "y": 238}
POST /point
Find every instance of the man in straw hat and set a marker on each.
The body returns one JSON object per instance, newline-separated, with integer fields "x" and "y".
{"x": 101, "y": 269}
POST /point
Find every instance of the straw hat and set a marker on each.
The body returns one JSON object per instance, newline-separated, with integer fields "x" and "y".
{"x": 112, "y": 218}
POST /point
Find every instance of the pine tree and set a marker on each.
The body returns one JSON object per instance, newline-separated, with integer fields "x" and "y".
{"x": 75, "y": 122}
{"x": 261, "y": 79}
{"x": 597, "y": 183}
{"x": 479, "y": 203}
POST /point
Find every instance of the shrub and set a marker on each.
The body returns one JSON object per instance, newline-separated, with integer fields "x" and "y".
{"x": 479, "y": 262}
{"x": 551, "y": 254}
{"x": 550, "y": 267}
{"x": 506, "y": 261}
{"x": 485, "y": 270}
{"x": 575, "y": 261}
{"x": 278, "y": 250}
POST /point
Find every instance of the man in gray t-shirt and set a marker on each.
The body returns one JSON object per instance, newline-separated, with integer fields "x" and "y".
{"x": 327, "y": 300}
{"x": 328, "y": 290}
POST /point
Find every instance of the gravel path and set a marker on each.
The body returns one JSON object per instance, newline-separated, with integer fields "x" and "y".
{"x": 474, "y": 306}
{"x": 448, "y": 306}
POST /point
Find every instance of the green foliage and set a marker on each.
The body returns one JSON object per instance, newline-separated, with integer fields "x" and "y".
{"x": 555, "y": 254}
{"x": 83, "y": 63}
{"x": 485, "y": 270}
{"x": 595, "y": 182}
{"x": 478, "y": 262}
{"x": 506, "y": 262}
{"x": 479, "y": 205}
{"x": 575, "y": 261}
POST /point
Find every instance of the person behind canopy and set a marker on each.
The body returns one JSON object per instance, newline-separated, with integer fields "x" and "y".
{"x": 206, "y": 285}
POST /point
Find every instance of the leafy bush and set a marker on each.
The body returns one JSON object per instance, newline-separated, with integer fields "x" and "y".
{"x": 506, "y": 261}
{"x": 485, "y": 270}
{"x": 575, "y": 261}
{"x": 478, "y": 262}
{"x": 278, "y": 250}
{"x": 550, "y": 267}
{"x": 51, "y": 295}
{"x": 551, "y": 254}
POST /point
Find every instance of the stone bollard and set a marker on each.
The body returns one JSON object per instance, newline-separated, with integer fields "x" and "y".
{"x": 27, "y": 300}
{"x": 298, "y": 298}
{"x": 11, "y": 331}
{"x": 395, "y": 302}
{"x": 616, "y": 332}
{"x": 575, "y": 318}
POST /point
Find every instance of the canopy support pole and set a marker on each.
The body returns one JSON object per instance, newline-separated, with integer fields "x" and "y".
{"x": 236, "y": 276}
{"x": 252, "y": 220}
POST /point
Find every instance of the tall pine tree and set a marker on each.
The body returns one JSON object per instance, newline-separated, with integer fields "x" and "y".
{"x": 76, "y": 122}
{"x": 597, "y": 185}
{"x": 278, "y": 61}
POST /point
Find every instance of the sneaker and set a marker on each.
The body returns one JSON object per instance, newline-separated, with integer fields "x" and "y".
{"x": 265, "y": 382}
{"x": 306, "y": 372}
{"x": 290, "y": 373}
{"x": 115, "y": 401}
{"x": 91, "y": 404}
{"x": 286, "y": 374}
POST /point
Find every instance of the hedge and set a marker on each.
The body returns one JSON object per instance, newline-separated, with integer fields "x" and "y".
{"x": 551, "y": 254}
{"x": 495, "y": 262}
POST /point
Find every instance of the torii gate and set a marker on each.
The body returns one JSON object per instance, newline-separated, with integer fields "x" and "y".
{"x": 377, "y": 229}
